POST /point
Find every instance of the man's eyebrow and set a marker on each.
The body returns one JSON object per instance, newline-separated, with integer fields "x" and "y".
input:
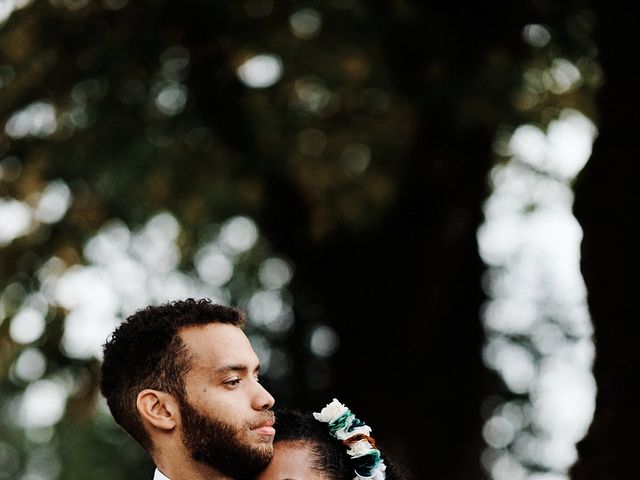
{"x": 235, "y": 368}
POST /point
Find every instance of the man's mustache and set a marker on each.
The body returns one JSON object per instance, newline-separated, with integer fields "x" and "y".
{"x": 266, "y": 417}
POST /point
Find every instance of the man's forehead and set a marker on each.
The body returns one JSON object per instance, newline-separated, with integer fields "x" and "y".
{"x": 210, "y": 332}
{"x": 218, "y": 343}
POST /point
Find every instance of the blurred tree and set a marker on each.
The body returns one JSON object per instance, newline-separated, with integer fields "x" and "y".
{"x": 358, "y": 135}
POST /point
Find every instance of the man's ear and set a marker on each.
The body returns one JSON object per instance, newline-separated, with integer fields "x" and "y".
{"x": 158, "y": 408}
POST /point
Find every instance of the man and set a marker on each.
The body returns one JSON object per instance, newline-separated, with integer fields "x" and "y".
{"x": 182, "y": 379}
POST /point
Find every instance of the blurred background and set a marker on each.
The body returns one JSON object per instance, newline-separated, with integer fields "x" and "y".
{"x": 425, "y": 209}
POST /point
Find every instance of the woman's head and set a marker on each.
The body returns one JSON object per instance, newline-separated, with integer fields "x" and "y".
{"x": 304, "y": 450}
{"x": 323, "y": 447}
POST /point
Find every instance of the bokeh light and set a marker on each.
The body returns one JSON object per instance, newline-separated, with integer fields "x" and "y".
{"x": 305, "y": 23}
{"x": 15, "y": 220}
{"x": 7, "y": 7}
{"x": 27, "y": 326}
{"x": 37, "y": 120}
{"x": 43, "y": 404}
{"x": 324, "y": 341}
{"x": 261, "y": 71}
{"x": 536, "y": 35}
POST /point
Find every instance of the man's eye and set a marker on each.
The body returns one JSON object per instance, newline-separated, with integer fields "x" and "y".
{"x": 233, "y": 382}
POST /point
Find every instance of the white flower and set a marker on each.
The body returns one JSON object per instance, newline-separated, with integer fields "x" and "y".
{"x": 345, "y": 432}
{"x": 331, "y": 412}
{"x": 377, "y": 474}
{"x": 359, "y": 448}
{"x": 364, "y": 429}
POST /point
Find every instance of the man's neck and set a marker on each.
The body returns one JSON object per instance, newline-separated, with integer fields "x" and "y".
{"x": 187, "y": 469}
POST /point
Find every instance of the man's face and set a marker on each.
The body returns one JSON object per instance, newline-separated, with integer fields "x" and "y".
{"x": 226, "y": 421}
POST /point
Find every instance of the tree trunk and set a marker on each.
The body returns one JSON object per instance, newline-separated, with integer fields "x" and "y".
{"x": 405, "y": 297}
{"x": 606, "y": 201}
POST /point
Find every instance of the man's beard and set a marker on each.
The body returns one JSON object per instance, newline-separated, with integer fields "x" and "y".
{"x": 220, "y": 445}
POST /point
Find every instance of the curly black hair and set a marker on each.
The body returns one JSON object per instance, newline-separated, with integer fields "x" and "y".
{"x": 330, "y": 456}
{"x": 146, "y": 351}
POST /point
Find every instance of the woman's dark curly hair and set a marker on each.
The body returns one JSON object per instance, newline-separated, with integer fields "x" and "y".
{"x": 329, "y": 455}
{"x": 146, "y": 351}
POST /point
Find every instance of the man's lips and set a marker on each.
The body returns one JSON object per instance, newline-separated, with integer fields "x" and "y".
{"x": 265, "y": 430}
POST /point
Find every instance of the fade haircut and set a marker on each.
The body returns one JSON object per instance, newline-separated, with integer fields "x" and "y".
{"x": 146, "y": 351}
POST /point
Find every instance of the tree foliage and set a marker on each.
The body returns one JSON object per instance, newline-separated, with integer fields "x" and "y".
{"x": 357, "y": 135}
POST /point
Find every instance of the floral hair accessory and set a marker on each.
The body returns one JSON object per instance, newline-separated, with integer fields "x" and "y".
{"x": 353, "y": 433}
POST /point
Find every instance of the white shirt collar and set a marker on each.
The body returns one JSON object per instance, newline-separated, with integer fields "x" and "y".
{"x": 159, "y": 476}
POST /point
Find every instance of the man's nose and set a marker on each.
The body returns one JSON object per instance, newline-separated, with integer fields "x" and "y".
{"x": 263, "y": 399}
